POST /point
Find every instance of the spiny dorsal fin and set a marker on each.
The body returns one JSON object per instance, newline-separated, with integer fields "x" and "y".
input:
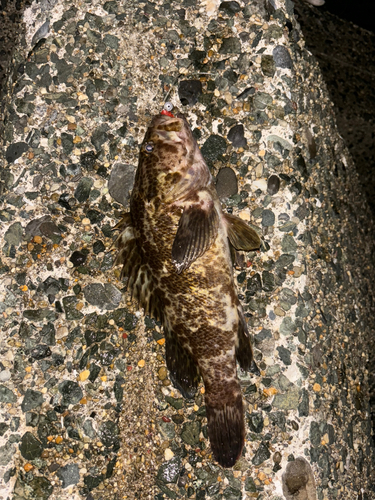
{"x": 196, "y": 232}
{"x": 241, "y": 236}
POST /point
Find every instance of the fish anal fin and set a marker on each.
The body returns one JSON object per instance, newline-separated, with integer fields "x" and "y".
{"x": 226, "y": 430}
{"x": 241, "y": 236}
{"x": 244, "y": 351}
{"x": 183, "y": 370}
{"x": 196, "y": 232}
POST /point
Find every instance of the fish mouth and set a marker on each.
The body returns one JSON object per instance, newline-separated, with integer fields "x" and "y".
{"x": 172, "y": 129}
{"x": 168, "y": 123}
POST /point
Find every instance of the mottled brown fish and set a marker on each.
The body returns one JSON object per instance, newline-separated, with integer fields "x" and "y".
{"x": 174, "y": 247}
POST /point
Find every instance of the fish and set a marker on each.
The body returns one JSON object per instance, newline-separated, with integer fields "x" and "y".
{"x": 174, "y": 247}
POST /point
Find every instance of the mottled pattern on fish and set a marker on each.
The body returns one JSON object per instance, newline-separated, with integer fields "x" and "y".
{"x": 175, "y": 252}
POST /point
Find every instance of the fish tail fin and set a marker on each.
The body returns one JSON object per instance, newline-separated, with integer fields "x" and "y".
{"x": 244, "y": 351}
{"x": 226, "y": 430}
{"x": 183, "y": 370}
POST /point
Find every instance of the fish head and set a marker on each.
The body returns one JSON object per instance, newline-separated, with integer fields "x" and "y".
{"x": 169, "y": 147}
{"x": 168, "y": 135}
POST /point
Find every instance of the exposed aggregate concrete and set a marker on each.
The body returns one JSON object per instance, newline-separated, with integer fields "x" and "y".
{"x": 87, "y": 407}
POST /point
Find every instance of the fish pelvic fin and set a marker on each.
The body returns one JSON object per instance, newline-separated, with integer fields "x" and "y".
{"x": 226, "y": 430}
{"x": 241, "y": 236}
{"x": 244, "y": 351}
{"x": 183, "y": 370}
{"x": 196, "y": 232}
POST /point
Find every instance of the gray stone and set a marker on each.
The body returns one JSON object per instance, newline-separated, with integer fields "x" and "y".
{"x": 250, "y": 485}
{"x": 282, "y": 57}
{"x": 236, "y": 136}
{"x": 288, "y": 244}
{"x": 262, "y": 100}
{"x": 261, "y": 455}
{"x": 273, "y": 184}
{"x": 284, "y": 355}
{"x": 6, "y": 453}
{"x": 40, "y": 314}
{"x": 71, "y": 392}
{"x": 13, "y": 235}
{"x": 167, "y": 429}
{"x": 287, "y": 326}
{"x": 32, "y": 400}
{"x": 30, "y": 447}
{"x": 315, "y": 434}
{"x": 67, "y": 142}
{"x": 230, "y": 45}
{"x": 111, "y": 41}
{"x": 105, "y": 296}
{"x": 304, "y": 406}
{"x": 169, "y": 471}
{"x": 231, "y": 493}
{"x": 255, "y": 421}
{"x": 6, "y": 395}
{"x": 15, "y": 151}
{"x": 40, "y": 33}
{"x": 68, "y": 474}
{"x": 214, "y": 148}
{"x": 83, "y": 189}
{"x": 121, "y": 182}
{"x": 287, "y": 227}
{"x": 268, "y": 218}
{"x": 108, "y": 432}
{"x": 226, "y": 183}
{"x": 88, "y": 429}
{"x": 189, "y": 92}
{"x": 100, "y": 136}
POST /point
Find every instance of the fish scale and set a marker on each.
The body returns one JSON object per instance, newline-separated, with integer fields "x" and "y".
{"x": 174, "y": 248}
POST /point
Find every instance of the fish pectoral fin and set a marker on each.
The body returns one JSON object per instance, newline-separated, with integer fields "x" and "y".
{"x": 127, "y": 255}
{"x": 196, "y": 232}
{"x": 183, "y": 370}
{"x": 240, "y": 235}
{"x": 244, "y": 351}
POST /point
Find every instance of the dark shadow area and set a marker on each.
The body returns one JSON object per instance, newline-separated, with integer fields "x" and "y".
{"x": 11, "y": 31}
{"x": 346, "y": 56}
{"x": 357, "y": 12}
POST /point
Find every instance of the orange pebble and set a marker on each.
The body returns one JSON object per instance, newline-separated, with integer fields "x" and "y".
{"x": 28, "y": 467}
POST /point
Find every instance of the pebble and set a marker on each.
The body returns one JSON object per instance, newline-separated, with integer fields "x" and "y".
{"x": 162, "y": 373}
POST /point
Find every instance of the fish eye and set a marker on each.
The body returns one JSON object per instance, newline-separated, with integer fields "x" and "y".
{"x": 149, "y": 147}
{"x": 168, "y": 106}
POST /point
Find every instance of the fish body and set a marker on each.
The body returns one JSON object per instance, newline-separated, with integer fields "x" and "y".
{"x": 174, "y": 248}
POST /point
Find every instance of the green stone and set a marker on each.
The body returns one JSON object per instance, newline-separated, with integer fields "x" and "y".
{"x": 190, "y": 433}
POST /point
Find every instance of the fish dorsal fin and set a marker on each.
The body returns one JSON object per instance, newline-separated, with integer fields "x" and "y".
{"x": 240, "y": 235}
{"x": 196, "y": 232}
